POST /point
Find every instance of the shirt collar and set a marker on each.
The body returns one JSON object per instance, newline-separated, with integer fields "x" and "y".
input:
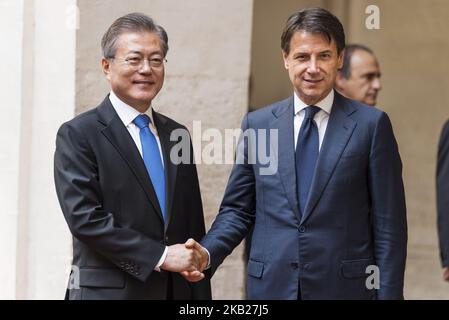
{"x": 325, "y": 104}
{"x": 125, "y": 112}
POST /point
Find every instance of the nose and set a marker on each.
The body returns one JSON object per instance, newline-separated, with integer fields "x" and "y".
{"x": 376, "y": 84}
{"x": 145, "y": 68}
{"x": 313, "y": 66}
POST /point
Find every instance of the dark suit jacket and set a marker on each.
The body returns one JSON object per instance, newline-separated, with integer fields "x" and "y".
{"x": 443, "y": 195}
{"x": 112, "y": 210}
{"x": 355, "y": 216}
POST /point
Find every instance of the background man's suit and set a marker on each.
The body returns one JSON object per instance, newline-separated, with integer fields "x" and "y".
{"x": 443, "y": 195}
{"x": 113, "y": 213}
{"x": 355, "y": 215}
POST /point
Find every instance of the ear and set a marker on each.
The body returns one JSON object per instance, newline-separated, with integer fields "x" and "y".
{"x": 285, "y": 57}
{"x": 106, "y": 66}
{"x": 339, "y": 81}
{"x": 341, "y": 58}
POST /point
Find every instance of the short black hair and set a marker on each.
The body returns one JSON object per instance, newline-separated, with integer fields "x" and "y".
{"x": 349, "y": 51}
{"x": 314, "y": 20}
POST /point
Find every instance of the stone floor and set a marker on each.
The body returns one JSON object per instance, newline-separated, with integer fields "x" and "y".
{"x": 423, "y": 276}
{"x": 228, "y": 281}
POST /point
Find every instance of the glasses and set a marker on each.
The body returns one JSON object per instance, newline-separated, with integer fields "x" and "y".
{"x": 137, "y": 63}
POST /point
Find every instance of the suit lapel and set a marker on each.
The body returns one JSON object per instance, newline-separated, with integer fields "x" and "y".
{"x": 338, "y": 132}
{"x": 170, "y": 169}
{"x": 283, "y": 122}
{"x": 119, "y": 137}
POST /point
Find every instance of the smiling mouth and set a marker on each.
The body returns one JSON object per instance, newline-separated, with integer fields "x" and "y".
{"x": 313, "y": 81}
{"x": 143, "y": 82}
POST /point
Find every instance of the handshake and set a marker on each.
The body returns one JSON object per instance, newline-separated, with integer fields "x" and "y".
{"x": 189, "y": 259}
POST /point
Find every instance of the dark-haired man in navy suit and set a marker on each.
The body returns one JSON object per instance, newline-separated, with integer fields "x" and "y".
{"x": 330, "y": 222}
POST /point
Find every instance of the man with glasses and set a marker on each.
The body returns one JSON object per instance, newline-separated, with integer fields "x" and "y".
{"x": 130, "y": 207}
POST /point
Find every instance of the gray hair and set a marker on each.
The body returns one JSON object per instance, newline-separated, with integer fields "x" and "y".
{"x": 132, "y": 22}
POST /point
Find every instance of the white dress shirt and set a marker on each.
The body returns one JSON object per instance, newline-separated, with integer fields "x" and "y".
{"x": 127, "y": 114}
{"x": 321, "y": 117}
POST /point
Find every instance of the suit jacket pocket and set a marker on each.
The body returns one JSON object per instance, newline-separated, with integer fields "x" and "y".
{"x": 255, "y": 268}
{"x": 355, "y": 268}
{"x": 102, "y": 278}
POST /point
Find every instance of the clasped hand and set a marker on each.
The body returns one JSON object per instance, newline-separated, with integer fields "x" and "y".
{"x": 189, "y": 259}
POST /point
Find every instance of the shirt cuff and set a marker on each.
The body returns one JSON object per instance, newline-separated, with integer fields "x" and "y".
{"x": 161, "y": 260}
{"x": 208, "y": 259}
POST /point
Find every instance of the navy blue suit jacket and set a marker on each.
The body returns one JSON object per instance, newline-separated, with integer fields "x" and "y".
{"x": 442, "y": 195}
{"x": 355, "y": 215}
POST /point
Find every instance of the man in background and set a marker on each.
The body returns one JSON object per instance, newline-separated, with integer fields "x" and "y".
{"x": 359, "y": 78}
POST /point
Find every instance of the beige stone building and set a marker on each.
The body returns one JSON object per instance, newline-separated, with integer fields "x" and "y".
{"x": 224, "y": 60}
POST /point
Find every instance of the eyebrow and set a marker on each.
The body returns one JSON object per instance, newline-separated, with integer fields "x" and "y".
{"x": 304, "y": 52}
{"x": 329, "y": 52}
{"x": 134, "y": 51}
{"x": 376, "y": 74}
{"x": 140, "y": 53}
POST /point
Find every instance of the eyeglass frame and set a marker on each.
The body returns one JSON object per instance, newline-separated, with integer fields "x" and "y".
{"x": 141, "y": 62}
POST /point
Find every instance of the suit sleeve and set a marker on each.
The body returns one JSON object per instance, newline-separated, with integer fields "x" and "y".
{"x": 388, "y": 210}
{"x": 442, "y": 180}
{"x": 76, "y": 175}
{"x": 237, "y": 209}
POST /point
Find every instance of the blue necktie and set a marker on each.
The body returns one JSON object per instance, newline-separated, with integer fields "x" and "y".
{"x": 152, "y": 159}
{"x": 306, "y": 155}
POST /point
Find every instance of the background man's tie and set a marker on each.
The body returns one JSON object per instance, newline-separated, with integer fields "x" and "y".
{"x": 152, "y": 159}
{"x": 306, "y": 155}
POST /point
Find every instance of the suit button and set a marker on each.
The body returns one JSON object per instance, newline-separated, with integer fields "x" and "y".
{"x": 294, "y": 265}
{"x": 302, "y": 229}
{"x": 166, "y": 238}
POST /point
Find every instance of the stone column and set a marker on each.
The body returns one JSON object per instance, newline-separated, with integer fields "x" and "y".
{"x": 11, "y": 31}
{"x": 38, "y": 95}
